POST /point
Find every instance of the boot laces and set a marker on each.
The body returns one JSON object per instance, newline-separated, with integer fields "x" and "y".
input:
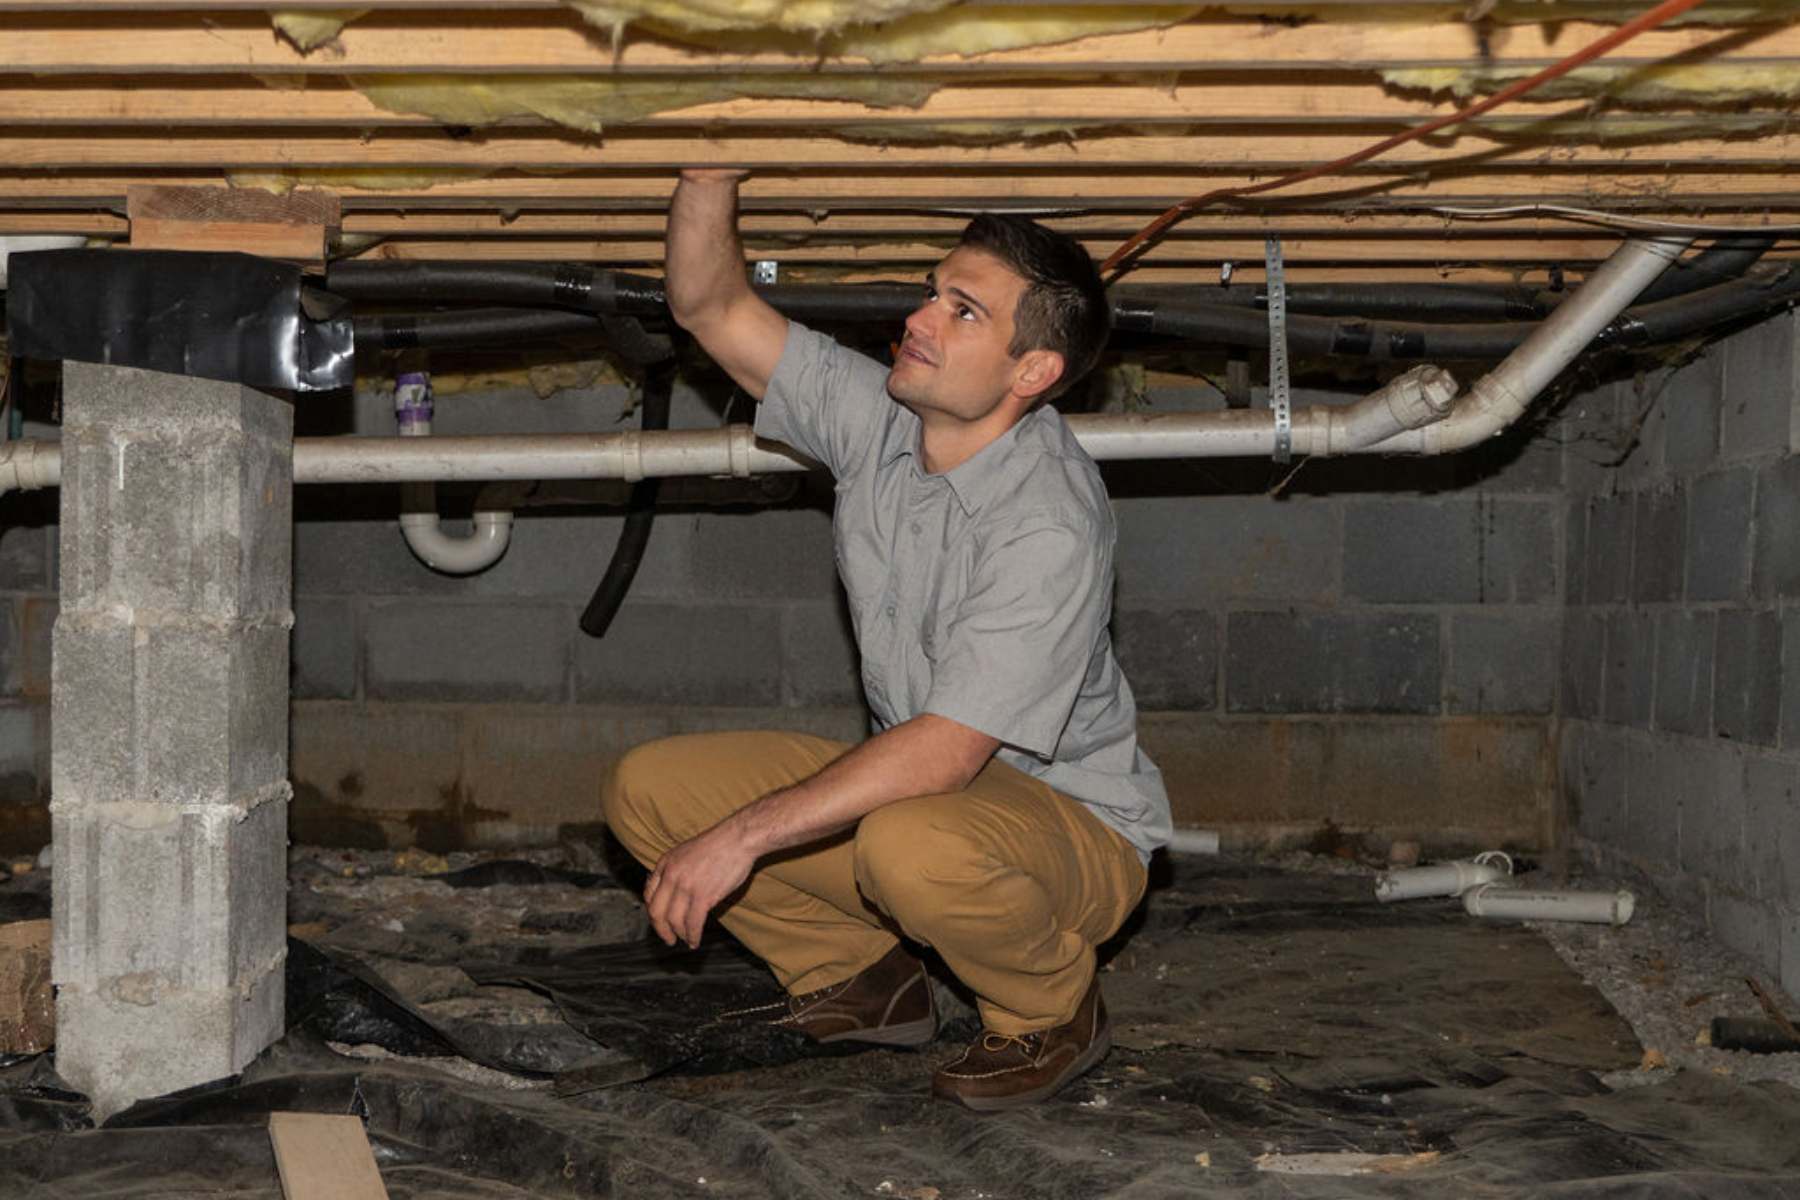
{"x": 1028, "y": 1043}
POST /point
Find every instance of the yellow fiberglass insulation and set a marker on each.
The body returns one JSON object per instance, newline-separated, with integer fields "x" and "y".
{"x": 374, "y": 179}
{"x": 589, "y": 102}
{"x": 964, "y": 29}
{"x": 311, "y": 28}
{"x": 1704, "y": 85}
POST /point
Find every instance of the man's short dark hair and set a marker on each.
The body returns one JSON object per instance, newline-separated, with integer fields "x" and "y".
{"x": 1063, "y": 307}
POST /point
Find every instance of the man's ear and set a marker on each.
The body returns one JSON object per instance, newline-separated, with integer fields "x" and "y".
{"x": 1037, "y": 372}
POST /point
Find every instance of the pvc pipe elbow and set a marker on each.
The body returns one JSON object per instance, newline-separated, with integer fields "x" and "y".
{"x": 1440, "y": 879}
{"x": 438, "y": 550}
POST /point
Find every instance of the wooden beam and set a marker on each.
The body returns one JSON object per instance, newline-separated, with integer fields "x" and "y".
{"x": 1303, "y": 100}
{"x": 843, "y": 228}
{"x": 922, "y": 253}
{"x": 1750, "y": 193}
{"x": 546, "y": 42}
{"x": 293, "y": 227}
{"x": 1166, "y": 154}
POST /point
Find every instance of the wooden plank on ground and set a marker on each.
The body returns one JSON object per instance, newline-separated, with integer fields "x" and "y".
{"x": 323, "y": 1157}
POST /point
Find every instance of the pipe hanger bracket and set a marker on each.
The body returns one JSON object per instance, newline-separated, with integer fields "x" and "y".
{"x": 1280, "y": 396}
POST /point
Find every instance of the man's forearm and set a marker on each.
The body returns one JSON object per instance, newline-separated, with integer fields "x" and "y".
{"x": 704, "y": 259}
{"x": 921, "y": 757}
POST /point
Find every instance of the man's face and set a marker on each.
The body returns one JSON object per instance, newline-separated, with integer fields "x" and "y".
{"x": 953, "y": 359}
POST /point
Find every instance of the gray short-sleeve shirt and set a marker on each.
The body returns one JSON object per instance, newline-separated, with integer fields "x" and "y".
{"x": 982, "y": 594}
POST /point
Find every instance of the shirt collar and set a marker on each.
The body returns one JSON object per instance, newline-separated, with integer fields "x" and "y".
{"x": 983, "y": 475}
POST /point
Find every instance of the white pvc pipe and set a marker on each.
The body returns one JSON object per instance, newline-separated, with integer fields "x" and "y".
{"x": 1440, "y": 879}
{"x": 420, "y": 524}
{"x": 1500, "y": 397}
{"x": 1194, "y": 841}
{"x": 1521, "y": 904}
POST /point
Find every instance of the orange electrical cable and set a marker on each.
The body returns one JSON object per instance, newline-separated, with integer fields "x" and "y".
{"x": 1624, "y": 33}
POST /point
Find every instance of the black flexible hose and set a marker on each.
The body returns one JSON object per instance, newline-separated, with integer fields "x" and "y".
{"x": 1309, "y": 335}
{"x": 560, "y": 285}
{"x": 603, "y": 606}
{"x": 1322, "y": 337}
{"x": 471, "y": 327}
{"x": 1721, "y": 262}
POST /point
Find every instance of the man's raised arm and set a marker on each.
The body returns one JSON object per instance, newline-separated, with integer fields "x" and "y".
{"x": 709, "y": 295}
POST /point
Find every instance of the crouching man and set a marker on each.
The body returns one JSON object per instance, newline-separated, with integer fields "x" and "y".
{"x": 1002, "y": 812}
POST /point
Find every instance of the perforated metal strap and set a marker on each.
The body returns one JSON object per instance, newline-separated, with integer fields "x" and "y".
{"x": 1279, "y": 398}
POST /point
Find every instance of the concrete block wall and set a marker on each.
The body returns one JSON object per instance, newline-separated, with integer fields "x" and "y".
{"x": 1680, "y": 678}
{"x": 1371, "y": 649}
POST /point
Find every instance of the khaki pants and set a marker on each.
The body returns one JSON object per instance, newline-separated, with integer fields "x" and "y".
{"x": 1013, "y": 883}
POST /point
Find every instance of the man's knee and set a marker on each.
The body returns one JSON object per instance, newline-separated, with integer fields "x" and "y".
{"x": 908, "y": 852}
{"x": 628, "y": 797}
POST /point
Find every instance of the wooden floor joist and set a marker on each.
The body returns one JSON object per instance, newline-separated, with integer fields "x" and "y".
{"x": 100, "y": 96}
{"x": 535, "y": 42}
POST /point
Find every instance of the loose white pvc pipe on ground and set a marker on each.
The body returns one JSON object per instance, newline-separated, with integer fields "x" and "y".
{"x": 1502, "y": 902}
{"x": 1440, "y": 879}
{"x": 1194, "y": 841}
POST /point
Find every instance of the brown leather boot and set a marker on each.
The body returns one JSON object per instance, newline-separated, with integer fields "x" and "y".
{"x": 1001, "y": 1071}
{"x": 887, "y": 1004}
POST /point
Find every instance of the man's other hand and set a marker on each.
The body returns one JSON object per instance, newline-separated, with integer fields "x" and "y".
{"x": 692, "y": 880}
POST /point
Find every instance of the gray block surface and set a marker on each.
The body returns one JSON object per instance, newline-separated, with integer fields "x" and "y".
{"x": 1170, "y": 658}
{"x": 1630, "y": 655}
{"x": 1777, "y": 562}
{"x": 1609, "y": 545}
{"x": 1718, "y": 536}
{"x": 1747, "y": 676}
{"x": 1225, "y": 549}
{"x": 1485, "y": 551}
{"x": 1691, "y": 402}
{"x": 1584, "y": 664}
{"x": 1759, "y": 394}
{"x": 325, "y": 648}
{"x": 1685, "y": 641}
{"x": 422, "y": 650}
{"x": 1335, "y": 662}
{"x": 1503, "y": 663}
{"x": 1659, "y": 532}
{"x": 683, "y": 654}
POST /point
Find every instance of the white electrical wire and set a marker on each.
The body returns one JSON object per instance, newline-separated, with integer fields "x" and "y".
{"x": 1620, "y": 220}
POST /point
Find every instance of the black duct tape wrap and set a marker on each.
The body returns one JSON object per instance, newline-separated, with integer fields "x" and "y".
{"x": 232, "y": 317}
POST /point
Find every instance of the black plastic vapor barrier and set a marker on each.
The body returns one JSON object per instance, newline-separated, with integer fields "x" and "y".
{"x": 603, "y": 606}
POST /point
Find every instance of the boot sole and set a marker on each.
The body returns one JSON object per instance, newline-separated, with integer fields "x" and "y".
{"x": 1093, "y": 1054}
{"x": 913, "y": 1033}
